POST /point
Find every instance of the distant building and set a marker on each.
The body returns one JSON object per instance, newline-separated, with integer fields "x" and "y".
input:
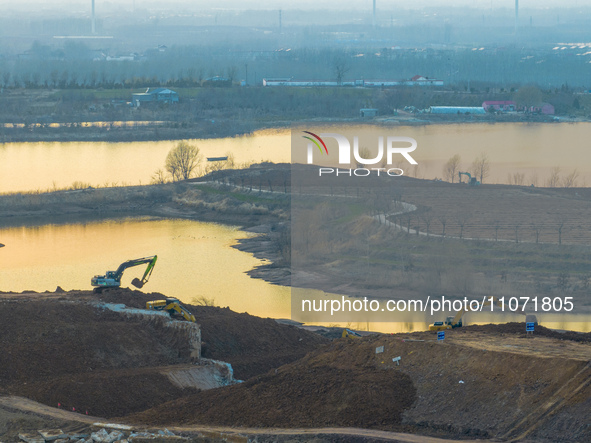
{"x": 158, "y": 95}
{"x": 368, "y": 112}
{"x": 545, "y": 108}
{"x": 499, "y": 105}
{"x": 417, "y": 80}
{"x": 217, "y": 82}
{"x": 460, "y": 110}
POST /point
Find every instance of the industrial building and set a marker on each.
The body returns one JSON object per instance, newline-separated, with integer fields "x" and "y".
{"x": 499, "y": 105}
{"x": 456, "y": 110}
{"x": 158, "y": 95}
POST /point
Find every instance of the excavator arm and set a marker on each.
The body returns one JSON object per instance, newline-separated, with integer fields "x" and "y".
{"x": 113, "y": 278}
{"x": 140, "y": 283}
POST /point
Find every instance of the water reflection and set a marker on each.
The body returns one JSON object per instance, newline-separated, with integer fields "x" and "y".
{"x": 195, "y": 259}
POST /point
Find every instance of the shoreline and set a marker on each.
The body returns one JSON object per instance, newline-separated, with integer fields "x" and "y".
{"x": 228, "y": 127}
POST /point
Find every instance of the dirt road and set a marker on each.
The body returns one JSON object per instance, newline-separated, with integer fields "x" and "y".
{"x": 28, "y": 407}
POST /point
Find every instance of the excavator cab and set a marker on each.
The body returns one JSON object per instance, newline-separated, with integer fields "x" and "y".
{"x": 450, "y": 321}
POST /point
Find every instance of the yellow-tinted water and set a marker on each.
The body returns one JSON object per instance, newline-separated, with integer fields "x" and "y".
{"x": 194, "y": 259}
{"x": 528, "y": 149}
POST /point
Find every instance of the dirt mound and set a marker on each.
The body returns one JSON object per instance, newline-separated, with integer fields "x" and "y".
{"x": 519, "y": 329}
{"x": 53, "y": 338}
{"x": 319, "y": 390}
{"x": 105, "y": 394}
{"x": 64, "y": 348}
{"x": 84, "y": 356}
{"x": 442, "y": 389}
{"x": 252, "y": 345}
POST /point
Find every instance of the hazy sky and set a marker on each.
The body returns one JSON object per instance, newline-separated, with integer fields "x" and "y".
{"x": 69, "y": 5}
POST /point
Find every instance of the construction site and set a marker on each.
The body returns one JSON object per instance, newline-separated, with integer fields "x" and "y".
{"x": 110, "y": 364}
{"x": 75, "y": 359}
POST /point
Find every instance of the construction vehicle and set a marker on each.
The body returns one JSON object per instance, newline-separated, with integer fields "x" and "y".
{"x": 350, "y": 334}
{"x": 471, "y": 180}
{"x": 172, "y": 306}
{"x": 453, "y": 322}
{"x": 112, "y": 279}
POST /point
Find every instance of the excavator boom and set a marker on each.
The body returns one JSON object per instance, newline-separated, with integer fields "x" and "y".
{"x": 113, "y": 278}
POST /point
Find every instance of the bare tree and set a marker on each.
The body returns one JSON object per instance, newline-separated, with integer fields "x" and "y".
{"x": 516, "y": 227}
{"x": 443, "y": 220}
{"x": 452, "y": 167}
{"x": 182, "y": 160}
{"x": 481, "y": 167}
{"x": 554, "y": 178}
{"x": 533, "y": 178}
{"x": 427, "y": 219}
{"x": 159, "y": 177}
{"x": 537, "y": 228}
{"x": 518, "y": 178}
{"x": 462, "y": 220}
{"x": 570, "y": 180}
{"x": 341, "y": 67}
{"x": 497, "y": 226}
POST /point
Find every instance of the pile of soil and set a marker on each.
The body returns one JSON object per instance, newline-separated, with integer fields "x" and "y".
{"x": 63, "y": 348}
{"x": 441, "y": 389}
{"x": 107, "y": 393}
{"x": 336, "y": 386}
{"x": 87, "y": 358}
{"x": 252, "y": 345}
{"x": 49, "y": 338}
{"x": 515, "y": 328}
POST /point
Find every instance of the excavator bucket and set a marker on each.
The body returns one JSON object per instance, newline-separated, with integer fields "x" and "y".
{"x": 137, "y": 283}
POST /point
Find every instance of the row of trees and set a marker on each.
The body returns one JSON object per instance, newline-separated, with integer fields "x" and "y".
{"x": 480, "y": 167}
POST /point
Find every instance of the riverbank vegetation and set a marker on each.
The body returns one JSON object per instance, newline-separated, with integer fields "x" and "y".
{"x": 91, "y": 114}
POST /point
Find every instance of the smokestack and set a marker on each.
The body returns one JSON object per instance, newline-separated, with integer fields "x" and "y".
{"x": 373, "y": 21}
{"x": 516, "y": 16}
{"x": 92, "y": 20}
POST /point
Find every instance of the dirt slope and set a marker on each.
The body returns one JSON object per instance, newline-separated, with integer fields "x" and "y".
{"x": 62, "y": 348}
{"x": 318, "y": 390}
{"x": 252, "y": 345}
{"x": 445, "y": 389}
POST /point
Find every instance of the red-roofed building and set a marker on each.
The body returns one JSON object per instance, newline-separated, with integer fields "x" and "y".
{"x": 499, "y": 105}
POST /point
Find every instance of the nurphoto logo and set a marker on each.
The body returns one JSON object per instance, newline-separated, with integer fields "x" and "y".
{"x": 382, "y": 162}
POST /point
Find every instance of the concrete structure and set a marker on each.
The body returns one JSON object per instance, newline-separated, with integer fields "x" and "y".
{"x": 368, "y": 112}
{"x": 158, "y": 95}
{"x": 499, "y": 105}
{"x": 460, "y": 110}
